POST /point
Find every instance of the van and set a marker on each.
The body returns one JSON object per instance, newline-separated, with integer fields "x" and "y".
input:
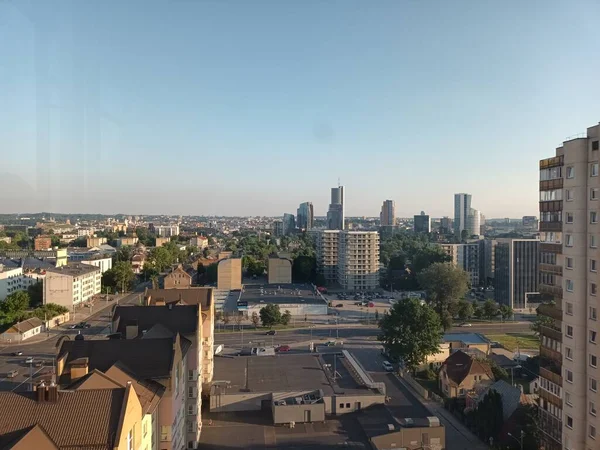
{"x": 12, "y": 374}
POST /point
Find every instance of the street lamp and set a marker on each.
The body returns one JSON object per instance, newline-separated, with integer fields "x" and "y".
{"x": 520, "y": 441}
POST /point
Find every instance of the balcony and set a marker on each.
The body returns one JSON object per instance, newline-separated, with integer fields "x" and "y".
{"x": 549, "y": 354}
{"x": 550, "y": 376}
{"x": 549, "y": 185}
{"x": 551, "y": 226}
{"x": 550, "y": 310}
{"x": 555, "y": 161}
{"x": 551, "y": 333}
{"x": 550, "y": 247}
{"x": 551, "y": 290}
{"x": 551, "y": 268}
{"x": 551, "y": 206}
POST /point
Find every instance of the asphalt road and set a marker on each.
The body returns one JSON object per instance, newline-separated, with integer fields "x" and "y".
{"x": 44, "y": 351}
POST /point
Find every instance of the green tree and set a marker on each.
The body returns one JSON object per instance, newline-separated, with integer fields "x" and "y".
{"x": 410, "y": 331}
{"x": 286, "y": 317}
{"x": 79, "y": 242}
{"x": 124, "y": 275}
{"x": 465, "y": 310}
{"x": 15, "y": 303}
{"x": 444, "y": 284}
{"x": 506, "y": 312}
{"x": 211, "y": 273}
{"x": 149, "y": 271}
{"x": 304, "y": 269}
{"x": 36, "y": 294}
{"x": 144, "y": 236}
{"x": 255, "y": 319}
{"x": 161, "y": 258}
{"x": 478, "y": 312}
{"x": 488, "y": 416}
{"x": 270, "y": 315}
{"x": 490, "y": 309}
{"x": 539, "y": 322}
{"x": 123, "y": 254}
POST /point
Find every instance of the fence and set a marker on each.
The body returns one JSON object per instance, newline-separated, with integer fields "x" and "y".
{"x": 58, "y": 320}
{"x": 425, "y": 393}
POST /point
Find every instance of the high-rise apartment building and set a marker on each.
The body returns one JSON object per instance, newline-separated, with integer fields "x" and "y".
{"x": 422, "y": 223}
{"x": 305, "y": 216}
{"x": 289, "y": 224}
{"x": 516, "y": 271}
{"x": 468, "y": 260}
{"x": 569, "y": 231}
{"x": 336, "y": 215}
{"x": 350, "y": 258}
{"x": 487, "y": 263}
{"x": 462, "y": 207}
{"x": 387, "y": 216}
{"x": 474, "y": 222}
{"x": 278, "y": 228}
{"x": 446, "y": 225}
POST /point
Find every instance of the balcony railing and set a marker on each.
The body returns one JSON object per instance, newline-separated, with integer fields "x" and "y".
{"x": 555, "y": 161}
{"x": 551, "y": 333}
{"x": 551, "y": 268}
{"x": 549, "y": 185}
{"x": 550, "y": 354}
{"x": 548, "y": 289}
{"x": 550, "y": 247}
{"x": 551, "y": 226}
{"x": 550, "y": 310}
{"x": 550, "y": 376}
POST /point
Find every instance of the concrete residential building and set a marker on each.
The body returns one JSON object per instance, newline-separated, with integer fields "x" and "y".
{"x": 160, "y": 241}
{"x": 11, "y": 280}
{"x": 336, "y": 215}
{"x": 387, "y": 216}
{"x": 516, "y": 271}
{"x": 289, "y": 224}
{"x": 93, "y": 241}
{"x": 71, "y": 285}
{"x": 422, "y": 223}
{"x": 327, "y": 243}
{"x": 452, "y": 251}
{"x": 487, "y": 263}
{"x": 164, "y": 230}
{"x": 279, "y": 270}
{"x": 474, "y": 222}
{"x": 127, "y": 241}
{"x": 229, "y": 274}
{"x": 104, "y": 263}
{"x": 197, "y": 241}
{"x": 462, "y": 207}
{"x": 358, "y": 260}
{"x": 305, "y": 216}
{"x": 468, "y": 260}
{"x": 569, "y": 231}
{"x": 446, "y": 225}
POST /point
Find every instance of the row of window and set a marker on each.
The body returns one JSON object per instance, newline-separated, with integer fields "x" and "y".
{"x": 570, "y": 171}
{"x": 592, "y": 359}
{"x": 570, "y": 240}
{"x": 592, "y": 336}
{"x": 591, "y": 430}
{"x": 593, "y": 217}
{"x": 570, "y": 286}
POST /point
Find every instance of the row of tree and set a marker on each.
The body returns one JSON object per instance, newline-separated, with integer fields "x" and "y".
{"x": 19, "y": 306}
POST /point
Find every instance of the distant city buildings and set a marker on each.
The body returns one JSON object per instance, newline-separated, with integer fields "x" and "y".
{"x": 305, "y": 216}
{"x": 277, "y": 228}
{"x": 516, "y": 271}
{"x": 387, "y": 215}
{"x": 462, "y": 207}
{"x": 336, "y": 215}
{"x": 446, "y": 225}
{"x": 197, "y": 241}
{"x": 422, "y": 223}
{"x": 164, "y": 230}
{"x": 530, "y": 223}
{"x": 289, "y": 224}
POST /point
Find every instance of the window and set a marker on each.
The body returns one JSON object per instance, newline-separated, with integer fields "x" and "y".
{"x": 165, "y": 432}
{"x": 569, "y": 262}
{"x": 191, "y": 392}
{"x": 347, "y": 405}
{"x": 593, "y": 193}
{"x": 569, "y": 240}
{"x": 569, "y": 375}
{"x": 568, "y": 399}
{"x": 569, "y": 309}
{"x": 190, "y": 426}
{"x": 593, "y": 313}
{"x": 569, "y": 217}
{"x": 190, "y": 375}
{"x": 569, "y": 195}
{"x": 593, "y": 384}
{"x": 130, "y": 440}
{"x": 570, "y": 172}
{"x": 341, "y": 406}
{"x": 569, "y": 285}
{"x": 593, "y": 243}
{"x": 593, "y": 336}
{"x": 593, "y": 288}
{"x": 569, "y": 353}
{"x": 593, "y": 265}
{"x": 592, "y": 431}
{"x": 569, "y": 331}
{"x": 593, "y": 408}
{"x": 569, "y": 422}
{"x": 595, "y": 145}
{"x": 593, "y": 361}
{"x": 191, "y": 410}
{"x": 594, "y": 169}
{"x": 593, "y": 217}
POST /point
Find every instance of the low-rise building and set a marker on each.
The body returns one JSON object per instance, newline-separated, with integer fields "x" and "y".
{"x": 94, "y": 241}
{"x": 160, "y": 241}
{"x": 460, "y": 373}
{"x": 300, "y": 300}
{"x": 127, "y": 241}
{"x": 72, "y": 285}
{"x": 199, "y": 241}
{"x": 23, "y": 330}
{"x": 42, "y": 243}
{"x": 104, "y": 263}
{"x": 177, "y": 279}
{"x": 468, "y": 341}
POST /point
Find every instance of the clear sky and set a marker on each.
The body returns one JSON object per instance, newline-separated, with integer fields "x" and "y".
{"x": 238, "y": 107}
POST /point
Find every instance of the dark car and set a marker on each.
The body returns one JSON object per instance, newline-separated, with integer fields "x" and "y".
{"x": 17, "y": 353}
{"x": 339, "y": 305}
{"x": 271, "y": 333}
{"x": 87, "y": 325}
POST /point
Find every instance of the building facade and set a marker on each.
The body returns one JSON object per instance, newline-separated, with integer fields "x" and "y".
{"x": 487, "y": 263}
{"x": 462, "y": 207}
{"x": 474, "y": 223}
{"x": 289, "y": 224}
{"x": 422, "y": 223}
{"x": 336, "y": 215}
{"x": 71, "y": 285}
{"x": 11, "y": 280}
{"x": 516, "y": 271}
{"x": 387, "y": 216}
{"x": 468, "y": 260}
{"x": 42, "y": 243}
{"x": 278, "y": 228}
{"x": 104, "y": 263}
{"x": 327, "y": 242}
{"x": 569, "y": 231}
{"x": 305, "y": 216}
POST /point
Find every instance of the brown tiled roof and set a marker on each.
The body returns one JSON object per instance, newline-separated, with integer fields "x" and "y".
{"x": 29, "y": 438}
{"x": 85, "y": 420}
{"x": 26, "y": 325}
{"x": 189, "y": 296}
{"x": 181, "y": 319}
{"x": 458, "y": 365}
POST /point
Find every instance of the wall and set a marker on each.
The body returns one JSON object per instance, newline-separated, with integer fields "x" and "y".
{"x": 132, "y": 420}
{"x": 229, "y": 274}
{"x": 104, "y": 264}
{"x": 412, "y": 439}
{"x": 249, "y": 401}
{"x": 279, "y": 271}
{"x": 11, "y": 280}
{"x": 58, "y": 289}
{"x": 353, "y": 401}
{"x": 296, "y": 413}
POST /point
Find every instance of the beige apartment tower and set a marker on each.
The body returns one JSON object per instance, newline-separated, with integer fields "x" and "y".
{"x": 569, "y": 257}
{"x": 229, "y": 274}
{"x": 279, "y": 270}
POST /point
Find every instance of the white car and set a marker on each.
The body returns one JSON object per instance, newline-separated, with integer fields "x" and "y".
{"x": 29, "y": 360}
{"x": 387, "y": 366}
{"x": 465, "y": 325}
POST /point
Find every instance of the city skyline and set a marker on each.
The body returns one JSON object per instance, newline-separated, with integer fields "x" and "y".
{"x": 121, "y": 109}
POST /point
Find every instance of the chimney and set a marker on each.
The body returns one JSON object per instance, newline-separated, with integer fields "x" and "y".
{"x": 40, "y": 392}
{"x": 131, "y": 330}
{"x": 79, "y": 368}
{"x": 52, "y": 393}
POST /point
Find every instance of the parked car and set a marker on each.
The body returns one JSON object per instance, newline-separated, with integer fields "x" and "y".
{"x": 371, "y": 304}
{"x": 12, "y": 374}
{"x": 271, "y": 333}
{"x": 339, "y": 305}
{"x": 387, "y": 366}
{"x": 464, "y": 324}
{"x": 29, "y": 360}
{"x": 72, "y": 327}
{"x": 17, "y": 353}
{"x": 283, "y": 348}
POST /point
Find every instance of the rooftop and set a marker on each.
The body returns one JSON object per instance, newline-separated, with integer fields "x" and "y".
{"x": 281, "y": 294}
{"x": 181, "y": 319}
{"x": 74, "y": 269}
{"x": 467, "y": 338}
{"x": 378, "y": 420}
{"x": 458, "y": 365}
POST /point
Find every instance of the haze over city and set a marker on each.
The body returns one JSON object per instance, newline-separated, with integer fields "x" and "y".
{"x": 249, "y": 108}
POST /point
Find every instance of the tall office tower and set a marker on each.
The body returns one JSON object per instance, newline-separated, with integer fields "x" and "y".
{"x": 336, "y": 216}
{"x": 422, "y": 223}
{"x": 487, "y": 263}
{"x": 516, "y": 271}
{"x": 569, "y": 231}
{"x": 305, "y": 216}
{"x": 445, "y": 225}
{"x": 278, "y": 228}
{"x": 462, "y": 207}
{"x": 350, "y": 258}
{"x": 387, "y": 216}
{"x": 289, "y": 224}
{"x": 474, "y": 222}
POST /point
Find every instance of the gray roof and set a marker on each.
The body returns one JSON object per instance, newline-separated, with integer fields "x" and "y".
{"x": 181, "y": 319}
{"x": 511, "y": 397}
{"x": 74, "y": 269}
{"x": 378, "y": 420}
{"x": 281, "y": 294}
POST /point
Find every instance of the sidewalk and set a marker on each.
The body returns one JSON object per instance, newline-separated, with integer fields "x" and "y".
{"x": 452, "y": 424}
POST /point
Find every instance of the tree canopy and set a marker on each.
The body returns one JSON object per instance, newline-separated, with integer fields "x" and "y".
{"x": 270, "y": 315}
{"x": 410, "y": 331}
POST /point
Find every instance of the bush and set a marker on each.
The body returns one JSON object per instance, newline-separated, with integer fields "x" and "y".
{"x": 427, "y": 374}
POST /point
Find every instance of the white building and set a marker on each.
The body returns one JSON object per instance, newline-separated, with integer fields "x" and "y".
{"x": 104, "y": 263}
{"x": 166, "y": 230}
{"x": 11, "y": 280}
{"x": 72, "y": 285}
{"x": 199, "y": 241}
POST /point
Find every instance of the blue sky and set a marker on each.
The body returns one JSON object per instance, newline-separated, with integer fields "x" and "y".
{"x": 239, "y": 107}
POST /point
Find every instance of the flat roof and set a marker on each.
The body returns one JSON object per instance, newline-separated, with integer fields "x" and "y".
{"x": 74, "y": 269}
{"x": 467, "y": 338}
{"x": 283, "y": 373}
{"x": 281, "y": 294}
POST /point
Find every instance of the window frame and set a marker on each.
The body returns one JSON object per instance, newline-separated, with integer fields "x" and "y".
{"x": 594, "y": 169}
{"x": 570, "y": 172}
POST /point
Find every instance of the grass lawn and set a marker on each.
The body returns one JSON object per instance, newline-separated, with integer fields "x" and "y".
{"x": 511, "y": 341}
